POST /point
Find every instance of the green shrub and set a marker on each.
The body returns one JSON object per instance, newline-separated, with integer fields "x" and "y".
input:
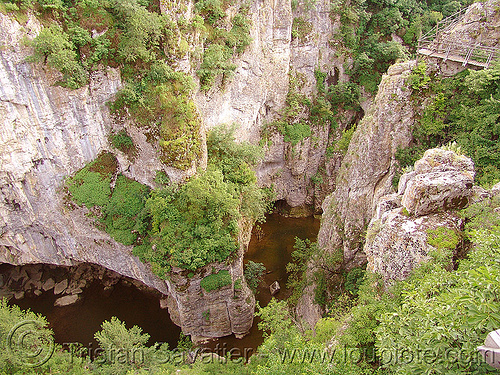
{"x": 122, "y": 141}
{"x": 90, "y": 186}
{"x": 438, "y": 306}
{"x": 125, "y": 213}
{"x": 211, "y": 10}
{"x": 419, "y": 78}
{"x": 53, "y": 46}
{"x": 343, "y": 143}
{"x": 216, "y": 281}
{"x": 301, "y": 29}
{"x": 216, "y": 62}
{"x": 253, "y": 274}
{"x": 193, "y": 224}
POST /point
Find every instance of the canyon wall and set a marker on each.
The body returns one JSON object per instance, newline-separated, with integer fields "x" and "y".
{"x": 369, "y": 166}
{"x": 48, "y": 133}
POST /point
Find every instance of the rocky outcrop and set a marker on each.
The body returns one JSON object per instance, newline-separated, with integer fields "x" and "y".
{"x": 369, "y": 166}
{"x": 421, "y": 221}
{"x": 442, "y": 181}
{"x": 47, "y": 133}
{"x": 216, "y": 313}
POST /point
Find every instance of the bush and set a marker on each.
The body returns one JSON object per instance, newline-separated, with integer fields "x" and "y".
{"x": 211, "y": 10}
{"x": 54, "y": 47}
{"x": 122, "y": 141}
{"x": 193, "y": 224}
{"x": 253, "y": 274}
{"x": 91, "y": 185}
{"x": 216, "y": 281}
{"x": 439, "y": 306}
{"x": 215, "y": 63}
{"x": 301, "y": 28}
{"x": 125, "y": 213}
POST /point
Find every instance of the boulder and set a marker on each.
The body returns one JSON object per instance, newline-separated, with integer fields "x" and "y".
{"x": 436, "y": 192}
{"x": 60, "y": 286}
{"x": 397, "y": 243}
{"x": 479, "y": 194}
{"x": 403, "y": 181}
{"x": 67, "y": 300}
{"x": 274, "y": 288}
{"x": 164, "y": 303}
{"x": 19, "y": 294}
{"x": 440, "y": 160}
{"x": 48, "y": 284}
{"x": 495, "y": 190}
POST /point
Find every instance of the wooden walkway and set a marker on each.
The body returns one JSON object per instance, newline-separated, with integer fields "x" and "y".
{"x": 442, "y": 43}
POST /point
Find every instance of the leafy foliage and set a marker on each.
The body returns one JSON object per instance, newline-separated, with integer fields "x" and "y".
{"x": 194, "y": 224}
{"x": 90, "y": 186}
{"x": 123, "y": 142}
{"x": 125, "y": 216}
{"x": 122, "y": 209}
{"x": 54, "y": 47}
{"x": 39, "y": 336}
{"x": 301, "y": 28}
{"x": 307, "y": 255}
{"x": 448, "y": 313}
{"x": 462, "y": 109}
{"x": 216, "y": 281}
{"x": 253, "y": 274}
{"x": 222, "y": 44}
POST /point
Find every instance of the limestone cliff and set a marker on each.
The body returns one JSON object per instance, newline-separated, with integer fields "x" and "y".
{"x": 48, "y": 133}
{"x": 257, "y": 92}
{"x": 369, "y": 166}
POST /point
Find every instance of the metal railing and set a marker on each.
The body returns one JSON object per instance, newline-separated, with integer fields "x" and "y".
{"x": 436, "y": 43}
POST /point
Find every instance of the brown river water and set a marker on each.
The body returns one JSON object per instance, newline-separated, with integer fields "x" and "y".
{"x": 271, "y": 245}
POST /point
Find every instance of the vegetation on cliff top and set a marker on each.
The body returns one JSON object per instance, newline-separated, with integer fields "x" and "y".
{"x": 463, "y": 109}
{"x": 198, "y": 223}
{"x": 188, "y": 225}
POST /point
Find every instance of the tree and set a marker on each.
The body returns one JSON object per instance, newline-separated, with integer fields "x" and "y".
{"x": 253, "y": 274}
{"x": 25, "y": 340}
{"x": 54, "y": 47}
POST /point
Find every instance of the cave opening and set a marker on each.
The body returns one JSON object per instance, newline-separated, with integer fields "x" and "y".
{"x": 77, "y": 299}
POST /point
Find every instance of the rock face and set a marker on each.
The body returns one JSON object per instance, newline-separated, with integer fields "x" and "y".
{"x": 364, "y": 176}
{"x": 257, "y": 92}
{"x": 410, "y": 227}
{"x": 369, "y": 166}
{"x": 47, "y": 133}
{"x": 439, "y": 183}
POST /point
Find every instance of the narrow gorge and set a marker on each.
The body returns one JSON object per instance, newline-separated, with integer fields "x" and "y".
{"x": 146, "y": 142}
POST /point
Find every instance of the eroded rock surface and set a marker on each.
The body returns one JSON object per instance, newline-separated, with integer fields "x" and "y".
{"x": 369, "y": 166}
{"x": 221, "y": 312}
{"x": 422, "y": 220}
